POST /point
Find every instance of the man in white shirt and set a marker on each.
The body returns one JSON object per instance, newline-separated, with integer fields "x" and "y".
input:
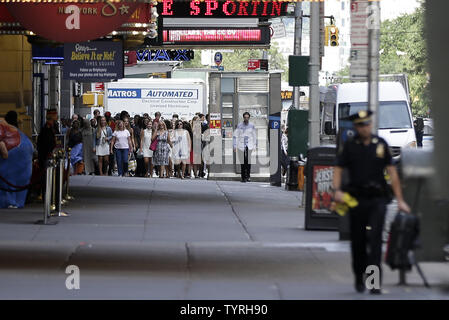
{"x": 245, "y": 140}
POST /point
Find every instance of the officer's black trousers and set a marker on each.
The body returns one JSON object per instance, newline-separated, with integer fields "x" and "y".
{"x": 366, "y": 245}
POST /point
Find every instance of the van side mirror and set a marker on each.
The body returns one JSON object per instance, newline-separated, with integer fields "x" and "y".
{"x": 328, "y": 130}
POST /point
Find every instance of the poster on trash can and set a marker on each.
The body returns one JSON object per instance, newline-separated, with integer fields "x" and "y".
{"x": 321, "y": 189}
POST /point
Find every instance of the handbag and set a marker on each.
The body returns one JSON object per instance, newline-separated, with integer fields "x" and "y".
{"x": 153, "y": 145}
{"x": 132, "y": 163}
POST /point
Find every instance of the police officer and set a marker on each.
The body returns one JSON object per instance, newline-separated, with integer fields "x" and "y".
{"x": 366, "y": 157}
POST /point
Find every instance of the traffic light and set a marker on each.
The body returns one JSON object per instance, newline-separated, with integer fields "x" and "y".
{"x": 333, "y": 35}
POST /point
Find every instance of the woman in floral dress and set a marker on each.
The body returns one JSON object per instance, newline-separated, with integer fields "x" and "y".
{"x": 162, "y": 152}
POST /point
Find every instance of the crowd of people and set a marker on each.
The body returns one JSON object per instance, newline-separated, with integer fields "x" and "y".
{"x": 134, "y": 146}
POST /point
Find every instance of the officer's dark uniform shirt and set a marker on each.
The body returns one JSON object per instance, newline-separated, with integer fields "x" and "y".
{"x": 365, "y": 163}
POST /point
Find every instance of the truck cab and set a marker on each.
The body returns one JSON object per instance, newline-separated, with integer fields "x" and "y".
{"x": 339, "y": 101}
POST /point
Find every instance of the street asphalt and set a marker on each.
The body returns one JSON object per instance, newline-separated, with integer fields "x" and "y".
{"x": 149, "y": 238}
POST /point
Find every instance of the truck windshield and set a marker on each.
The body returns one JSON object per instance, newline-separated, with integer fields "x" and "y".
{"x": 392, "y": 114}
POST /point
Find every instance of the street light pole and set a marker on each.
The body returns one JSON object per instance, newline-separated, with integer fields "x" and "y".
{"x": 314, "y": 102}
{"x": 297, "y": 48}
{"x": 373, "y": 62}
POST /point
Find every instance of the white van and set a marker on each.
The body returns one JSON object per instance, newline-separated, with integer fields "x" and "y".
{"x": 395, "y": 117}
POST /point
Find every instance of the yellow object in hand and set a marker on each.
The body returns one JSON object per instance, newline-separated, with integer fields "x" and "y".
{"x": 343, "y": 207}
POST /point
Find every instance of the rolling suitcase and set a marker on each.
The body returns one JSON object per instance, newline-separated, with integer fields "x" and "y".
{"x": 402, "y": 242}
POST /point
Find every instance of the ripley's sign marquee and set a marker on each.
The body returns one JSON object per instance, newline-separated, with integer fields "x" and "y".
{"x": 72, "y": 22}
{"x": 222, "y": 9}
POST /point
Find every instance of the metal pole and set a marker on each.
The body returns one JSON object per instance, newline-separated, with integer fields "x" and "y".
{"x": 59, "y": 186}
{"x": 265, "y": 54}
{"x": 297, "y": 49}
{"x": 314, "y": 103}
{"x": 67, "y": 195}
{"x": 48, "y": 191}
{"x": 373, "y": 62}
{"x": 47, "y": 194}
{"x": 53, "y": 195}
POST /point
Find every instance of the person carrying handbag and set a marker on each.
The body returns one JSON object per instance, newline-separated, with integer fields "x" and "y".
{"x": 163, "y": 148}
{"x": 102, "y": 139}
{"x": 145, "y": 147}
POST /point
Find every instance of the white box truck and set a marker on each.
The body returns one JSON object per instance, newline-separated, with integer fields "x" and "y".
{"x": 340, "y": 101}
{"x": 184, "y": 97}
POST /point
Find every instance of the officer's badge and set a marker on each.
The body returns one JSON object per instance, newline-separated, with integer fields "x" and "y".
{"x": 380, "y": 150}
{"x": 363, "y": 114}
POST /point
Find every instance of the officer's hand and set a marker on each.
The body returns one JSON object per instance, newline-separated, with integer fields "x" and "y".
{"x": 403, "y": 206}
{"x": 338, "y": 196}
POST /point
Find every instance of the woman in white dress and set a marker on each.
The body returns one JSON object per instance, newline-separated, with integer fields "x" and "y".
{"x": 145, "y": 142}
{"x": 181, "y": 147}
{"x": 102, "y": 138}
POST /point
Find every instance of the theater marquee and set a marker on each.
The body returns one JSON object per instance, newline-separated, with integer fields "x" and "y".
{"x": 222, "y": 9}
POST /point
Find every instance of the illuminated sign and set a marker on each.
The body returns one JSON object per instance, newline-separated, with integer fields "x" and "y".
{"x": 286, "y": 95}
{"x": 215, "y": 36}
{"x": 165, "y": 55}
{"x": 222, "y": 9}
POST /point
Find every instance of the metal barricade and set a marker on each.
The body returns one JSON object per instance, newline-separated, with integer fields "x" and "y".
{"x": 59, "y": 184}
{"x": 49, "y": 174}
{"x": 67, "y": 196}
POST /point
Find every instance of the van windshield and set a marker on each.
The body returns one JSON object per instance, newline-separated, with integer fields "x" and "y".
{"x": 392, "y": 114}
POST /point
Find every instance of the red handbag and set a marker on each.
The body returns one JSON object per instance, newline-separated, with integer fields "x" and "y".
{"x": 153, "y": 145}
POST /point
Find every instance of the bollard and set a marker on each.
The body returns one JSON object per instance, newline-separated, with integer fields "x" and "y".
{"x": 59, "y": 185}
{"x": 53, "y": 191}
{"x": 292, "y": 175}
{"x": 47, "y": 194}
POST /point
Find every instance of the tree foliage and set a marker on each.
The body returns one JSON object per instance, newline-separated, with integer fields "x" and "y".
{"x": 238, "y": 60}
{"x": 403, "y": 50}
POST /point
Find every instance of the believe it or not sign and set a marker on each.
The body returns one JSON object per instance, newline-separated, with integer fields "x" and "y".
{"x": 222, "y": 9}
{"x": 72, "y": 22}
{"x": 359, "y": 40}
{"x": 93, "y": 61}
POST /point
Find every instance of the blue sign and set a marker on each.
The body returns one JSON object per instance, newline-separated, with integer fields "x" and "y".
{"x": 124, "y": 93}
{"x": 164, "y": 55}
{"x": 275, "y": 124}
{"x": 218, "y": 58}
{"x": 94, "y": 61}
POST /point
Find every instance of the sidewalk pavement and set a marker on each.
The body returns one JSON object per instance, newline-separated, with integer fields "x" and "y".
{"x": 136, "y": 238}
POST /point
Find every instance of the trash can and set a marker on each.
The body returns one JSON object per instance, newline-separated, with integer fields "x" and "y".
{"x": 319, "y": 172}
